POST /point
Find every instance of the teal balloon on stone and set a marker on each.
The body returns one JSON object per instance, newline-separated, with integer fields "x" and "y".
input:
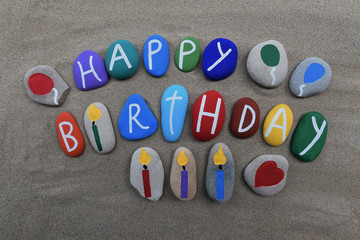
{"x": 122, "y": 59}
{"x": 309, "y": 136}
{"x": 270, "y": 55}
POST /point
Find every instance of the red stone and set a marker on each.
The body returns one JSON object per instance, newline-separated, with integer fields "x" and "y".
{"x": 250, "y": 122}
{"x": 70, "y": 137}
{"x": 268, "y": 174}
{"x": 213, "y": 100}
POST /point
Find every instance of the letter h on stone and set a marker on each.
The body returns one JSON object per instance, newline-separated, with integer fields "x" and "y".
{"x": 208, "y": 114}
{"x": 92, "y": 70}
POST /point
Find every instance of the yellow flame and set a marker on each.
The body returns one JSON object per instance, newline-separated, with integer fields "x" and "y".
{"x": 182, "y": 159}
{"x": 219, "y": 157}
{"x": 144, "y": 157}
{"x": 93, "y": 113}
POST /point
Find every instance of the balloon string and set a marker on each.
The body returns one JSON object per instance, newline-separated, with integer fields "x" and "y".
{"x": 55, "y": 95}
{"x": 301, "y": 89}
{"x": 273, "y": 75}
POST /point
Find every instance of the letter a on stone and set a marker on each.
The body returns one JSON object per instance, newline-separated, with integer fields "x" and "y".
{"x": 122, "y": 56}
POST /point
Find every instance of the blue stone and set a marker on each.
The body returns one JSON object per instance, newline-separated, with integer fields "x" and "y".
{"x": 136, "y": 120}
{"x": 219, "y": 59}
{"x": 314, "y": 72}
{"x": 89, "y": 71}
{"x": 156, "y": 55}
{"x": 174, "y": 103}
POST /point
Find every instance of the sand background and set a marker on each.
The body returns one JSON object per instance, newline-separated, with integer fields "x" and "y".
{"x": 45, "y": 194}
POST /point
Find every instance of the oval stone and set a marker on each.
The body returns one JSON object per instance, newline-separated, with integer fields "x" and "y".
{"x": 99, "y": 128}
{"x": 89, "y": 71}
{"x": 311, "y": 77}
{"x": 156, "y": 55}
{"x": 183, "y": 174}
{"x": 219, "y": 59}
{"x": 70, "y": 137}
{"x": 147, "y": 173}
{"x": 266, "y": 175}
{"x": 220, "y": 175}
{"x": 277, "y": 125}
{"x": 245, "y": 118}
{"x": 208, "y": 115}
{"x": 122, "y": 59}
{"x": 187, "y": 55}
{"x": 309, "y": 136}
{"x": 267, "y": 64}
{"x": 45, "y": 86}
{"x": 174, "y": 103}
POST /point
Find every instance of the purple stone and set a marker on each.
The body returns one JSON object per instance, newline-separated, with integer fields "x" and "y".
{"x": 89, "y": 71}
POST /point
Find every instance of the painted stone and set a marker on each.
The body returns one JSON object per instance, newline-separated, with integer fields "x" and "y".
{"x": 70, "y": 137}
{"x": 277, "y": 125}
{"x": 208, "y": 115}
{"x": 220, "y": 173}
{"x": 99, "y": 128}
{"x": 187, "y": 55}
{"x": 45, "y": 86}
{"x": 156, "y": 55}
{"x": 309, "y": 136}
{"x": 245, "y": 118}
{"x": 183, "y": 174}
{"x": 122, "y": 59}
{"x": 267, "y": 64}
{"x": 311, "y": 77}
{"x": 136, "y": 120}
{"x": 219, "y": 59}
{"x": 89, "y": 71}
{"x": 147, "y": 173}
{"x": 174, "y": 103}
{"x": 266, "y": 175}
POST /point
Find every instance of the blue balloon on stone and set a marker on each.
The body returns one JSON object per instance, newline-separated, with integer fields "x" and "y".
{"x": 174, "y": 103}
{"x": 156, "y": 55}
{"x": 89, "y": 71}
{"x": 314, "y": 72}
{"x": 136, "y": 120}
{"x": 219, "y": 59}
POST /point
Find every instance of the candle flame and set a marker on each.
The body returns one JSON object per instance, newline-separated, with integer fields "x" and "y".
{"x": 182, "y": 159}
{"x": 219, "y": 157}
{"x": 144, "y": 157}
{"x": 93, "y": 113}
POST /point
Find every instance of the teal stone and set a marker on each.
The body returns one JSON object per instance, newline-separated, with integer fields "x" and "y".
{"x": 309, "y": 136}
{"x": 122, "y": 59}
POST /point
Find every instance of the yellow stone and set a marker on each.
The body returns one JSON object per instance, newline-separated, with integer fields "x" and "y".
{"x": 277, "y": 125}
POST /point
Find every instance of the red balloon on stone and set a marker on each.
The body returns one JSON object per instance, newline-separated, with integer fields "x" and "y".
{"x": 40, "y": 84}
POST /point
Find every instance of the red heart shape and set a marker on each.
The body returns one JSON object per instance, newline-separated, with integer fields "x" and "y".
{"x": 268, "y": 175}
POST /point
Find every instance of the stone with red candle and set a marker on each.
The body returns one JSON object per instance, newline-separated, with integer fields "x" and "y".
{"x": 45, "y": 86}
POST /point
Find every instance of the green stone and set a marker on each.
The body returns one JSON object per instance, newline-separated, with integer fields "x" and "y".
{"x": 190, "y": 54}
{"x": 122, "y": 59}
{"x": 309, "y": 136}
{"x": 270, "y": 55}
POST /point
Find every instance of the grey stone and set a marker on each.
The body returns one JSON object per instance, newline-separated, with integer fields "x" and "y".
{"x": 268, "y": 73}
{"x": 156, "y": 173}
{"x": 270, "y": 179}
{"x": 175, "y": 175}
{"x": 99, "y": 128}
{"x": 229, "y": 174}
{"x": 50, "y": 89}
{"x": 302, "y": 85}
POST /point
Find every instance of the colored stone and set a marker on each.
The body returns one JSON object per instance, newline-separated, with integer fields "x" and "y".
{"x": 147, "y": 173}
{"x": 309, "y": 136}
{"x": 245, "y": 118}
{"x": 99, "y": 128}
{"x": 89, "y": 71}
{"x": 311, "y": 77}
{"x": 183, "y": 174}
{"x": 277, "y": 125}
{"x": 122, "y": 59}
{"x": 267, "y": 64}
{"x": 136, "y": 120}
{"x": 219, "y": 59}
{"x": 174, "y": 103}
{"x": 220, "y": 173}
{"x": 208, "y": 115}
{"x": 266, "y": 175}
{"x": 70, "y": 137}
{"x": 156, "y": 55}
{"x": 45, "y": 86}
{"x": 187, "y": 55}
